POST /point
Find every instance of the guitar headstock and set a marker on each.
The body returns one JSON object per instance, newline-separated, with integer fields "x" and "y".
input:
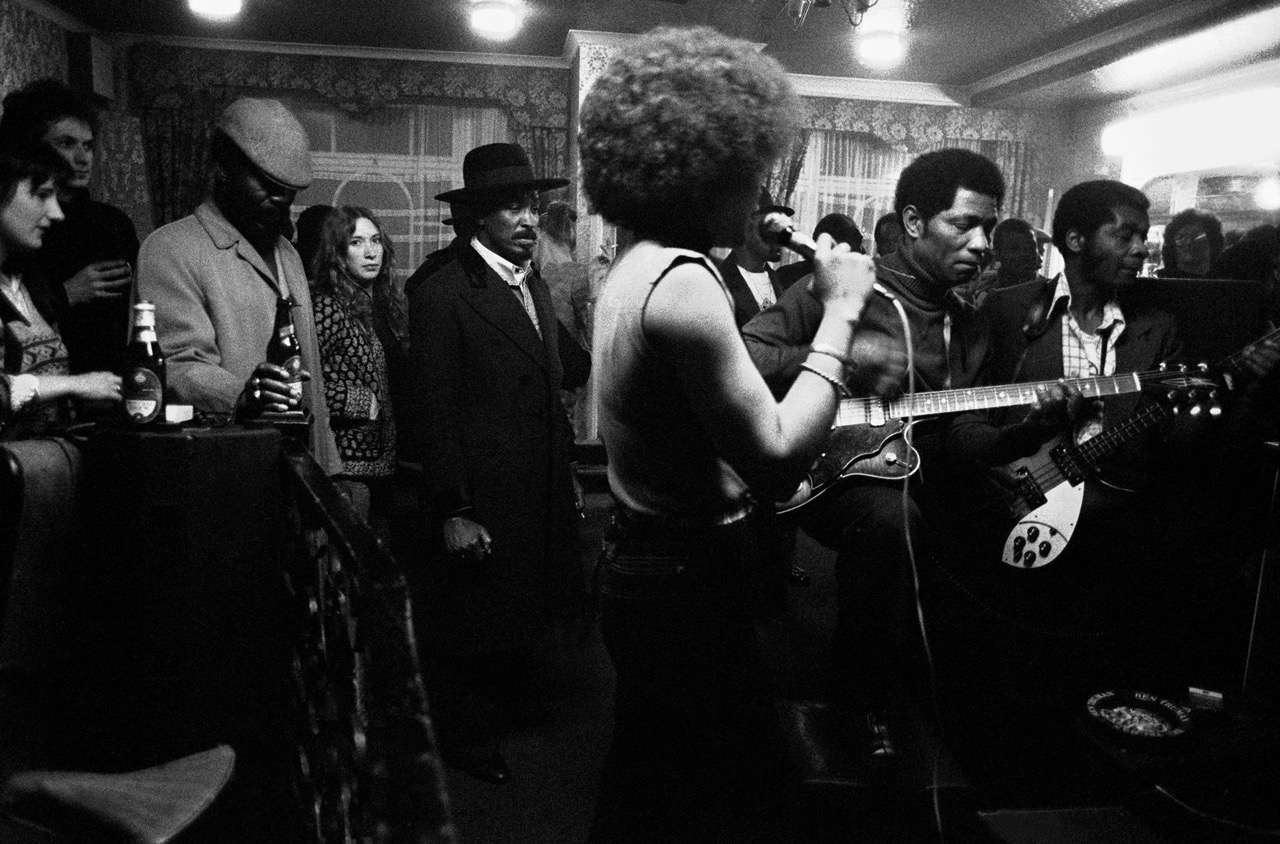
{"x": 1195, "y": 389}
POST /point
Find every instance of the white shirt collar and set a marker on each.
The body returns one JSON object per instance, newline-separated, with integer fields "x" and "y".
{"x": 512, "y": 274}
{"x": 1111, "y": 313}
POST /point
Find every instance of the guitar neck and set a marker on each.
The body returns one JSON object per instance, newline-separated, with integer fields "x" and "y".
{"x": 1094, "y": 450}
{"x": 876, "y": 411}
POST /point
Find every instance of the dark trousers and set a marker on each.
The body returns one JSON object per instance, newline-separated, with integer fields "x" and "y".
{"x": 697, "y": 752}
{"x": 875, "y": 636}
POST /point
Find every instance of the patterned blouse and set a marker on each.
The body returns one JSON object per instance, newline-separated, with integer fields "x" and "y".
{"x": 31, "y": 345}
{"x": 354, "y": 366}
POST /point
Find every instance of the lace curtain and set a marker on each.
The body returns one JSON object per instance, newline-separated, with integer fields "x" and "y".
{"x": 852, "y": 173}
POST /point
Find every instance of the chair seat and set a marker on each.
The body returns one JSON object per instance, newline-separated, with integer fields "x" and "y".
{"x": 150, "y": 806}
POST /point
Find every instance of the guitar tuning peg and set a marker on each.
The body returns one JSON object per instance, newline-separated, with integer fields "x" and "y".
{"x": 1182, "y": 367}
{"x": 1163, "y": 366}
{"x": 1215, "y": 410}
{"x": 1202, "y": 366}
{"x": 1195, "y": 410}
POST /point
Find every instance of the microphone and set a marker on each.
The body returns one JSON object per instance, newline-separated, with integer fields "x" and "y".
{"x": 776, "y": 228}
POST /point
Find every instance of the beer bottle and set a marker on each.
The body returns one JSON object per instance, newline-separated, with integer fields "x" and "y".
{"x": 284, "y": 349}
{"x": 143, "y": 384}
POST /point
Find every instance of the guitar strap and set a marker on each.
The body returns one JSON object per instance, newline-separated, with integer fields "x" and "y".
{"x": 1040, "y": 313}
{"x": 1039, "y": 317}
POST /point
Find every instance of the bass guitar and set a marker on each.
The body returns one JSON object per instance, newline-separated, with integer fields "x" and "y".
{"x": 1044, "y": 493}
{"x": 870, "y": 437}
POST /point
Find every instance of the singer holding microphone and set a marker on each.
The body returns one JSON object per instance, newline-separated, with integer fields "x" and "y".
{"x": 677, "y": 135}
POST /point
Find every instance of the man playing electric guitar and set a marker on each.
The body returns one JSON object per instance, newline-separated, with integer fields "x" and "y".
{"x": 947, "y": 202}
{"x": 1027, "y": 639}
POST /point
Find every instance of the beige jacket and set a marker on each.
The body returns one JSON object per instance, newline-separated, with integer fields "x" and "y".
{"x": 215, "y": 310}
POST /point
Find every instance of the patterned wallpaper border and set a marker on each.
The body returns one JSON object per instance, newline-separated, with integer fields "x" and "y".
{"x": 534, "y": 97}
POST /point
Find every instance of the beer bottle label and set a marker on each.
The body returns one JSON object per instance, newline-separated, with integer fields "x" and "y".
{"x": 293, "y": 363}
{"x": 143, "y": 395}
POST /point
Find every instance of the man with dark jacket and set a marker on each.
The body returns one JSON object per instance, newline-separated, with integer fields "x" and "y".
{"x": 947, "y": 202}
{"x": 752, "y": 282}
{"x": 485, "y": 365}
{"x": 1082, "y": 604}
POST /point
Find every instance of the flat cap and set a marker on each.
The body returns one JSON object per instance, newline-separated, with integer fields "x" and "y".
{"x": 271, "y": 137}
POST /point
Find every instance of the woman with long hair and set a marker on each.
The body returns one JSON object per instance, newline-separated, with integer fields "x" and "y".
{"x": 677, "y": 135}
{"x": 37, "y": 387}
{"x": 362, "y": 326}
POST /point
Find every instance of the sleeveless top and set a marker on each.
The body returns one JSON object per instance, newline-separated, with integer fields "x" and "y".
{"x": 661, "y": 457}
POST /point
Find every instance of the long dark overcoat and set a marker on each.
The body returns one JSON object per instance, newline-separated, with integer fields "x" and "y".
{"x": 495, "y": 442}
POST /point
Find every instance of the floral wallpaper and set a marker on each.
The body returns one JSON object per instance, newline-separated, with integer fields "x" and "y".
{"x": 120, "y": 168}
{"x": 31, "y": 47}
{"x": 536, "y": 99}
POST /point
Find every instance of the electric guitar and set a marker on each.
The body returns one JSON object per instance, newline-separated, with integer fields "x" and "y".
{"x": 1045, "y": 492}
{"x": 870, "y": 437}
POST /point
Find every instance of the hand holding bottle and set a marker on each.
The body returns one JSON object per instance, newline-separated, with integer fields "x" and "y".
{"x": 273, "y": 388}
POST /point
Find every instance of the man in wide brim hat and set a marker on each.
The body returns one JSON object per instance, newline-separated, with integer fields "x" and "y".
{"x": 485, "y": 380}
{"x": 497, "y": 169}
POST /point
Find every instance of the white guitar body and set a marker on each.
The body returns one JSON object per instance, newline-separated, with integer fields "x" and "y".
{"x": 1043, "y": 534}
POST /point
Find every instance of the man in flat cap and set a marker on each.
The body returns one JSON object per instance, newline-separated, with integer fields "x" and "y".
{"x": 485, "y": 365}
{"x": 216, "y": 276}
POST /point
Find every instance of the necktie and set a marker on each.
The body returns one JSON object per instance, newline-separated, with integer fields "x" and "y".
{"x": 521, "y": 289}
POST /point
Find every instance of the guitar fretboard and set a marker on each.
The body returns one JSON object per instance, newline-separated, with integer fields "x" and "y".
{"x": 876, "y": 411}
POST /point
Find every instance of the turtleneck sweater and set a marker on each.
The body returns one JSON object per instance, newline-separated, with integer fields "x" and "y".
{"x": 778, "y": 339}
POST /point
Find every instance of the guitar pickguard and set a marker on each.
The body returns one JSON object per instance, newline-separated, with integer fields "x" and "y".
{"x": 869, "y": 451}
{"x": 1042, "y": 535}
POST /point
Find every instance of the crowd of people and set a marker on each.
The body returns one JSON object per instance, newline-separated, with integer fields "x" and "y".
{"x": 717, "y": 385}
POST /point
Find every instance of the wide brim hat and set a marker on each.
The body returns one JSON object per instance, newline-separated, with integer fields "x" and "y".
{"x": 766, "y": 205}
{"x": 494, "y": 170}
{"x": 270, "y": 137}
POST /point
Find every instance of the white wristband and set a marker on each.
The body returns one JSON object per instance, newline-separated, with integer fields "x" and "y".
{"x": 23, "y": 390}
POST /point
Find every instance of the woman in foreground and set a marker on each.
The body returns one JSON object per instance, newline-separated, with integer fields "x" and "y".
{"x": 677, "y": 136}
{"x": 37, "y": 387}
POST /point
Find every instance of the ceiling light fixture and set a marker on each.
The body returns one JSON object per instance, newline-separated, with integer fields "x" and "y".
{"x": 497, "y": 20}
{"x": 1267, "y": 194}
{"x": 881, "y": 48}
{"x": 797, "y": 10}
{"x": 219, "y": 10}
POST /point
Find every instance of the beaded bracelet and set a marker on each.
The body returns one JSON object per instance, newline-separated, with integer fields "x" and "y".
{"x": 835, "y": 382}
{"x": 832, "y": 352}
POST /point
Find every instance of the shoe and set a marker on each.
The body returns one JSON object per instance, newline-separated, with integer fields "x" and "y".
{"x": 879, "y": 744}
{"x": 486, "y": 765}
{"x": 799, "y": 577}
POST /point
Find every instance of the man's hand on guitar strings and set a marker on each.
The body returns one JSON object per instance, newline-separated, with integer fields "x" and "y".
{"x": 880, "y": 364}
{"x": 1057, "y": 406}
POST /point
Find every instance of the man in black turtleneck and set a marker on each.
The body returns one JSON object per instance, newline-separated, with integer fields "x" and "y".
{"x": 947, "y": 202}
